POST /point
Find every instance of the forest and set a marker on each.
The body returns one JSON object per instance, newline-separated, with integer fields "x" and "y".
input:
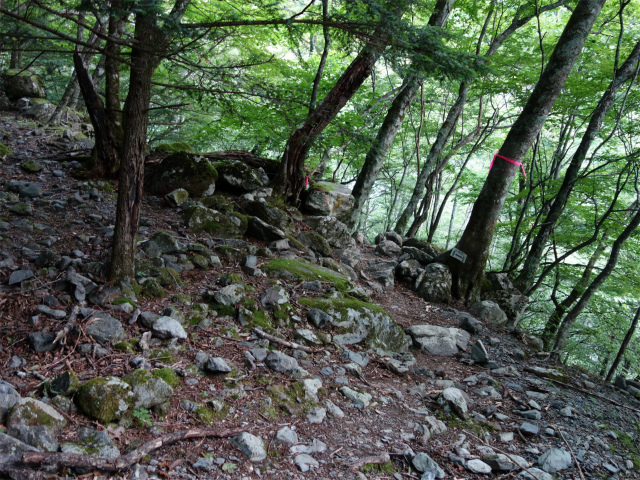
{"x": 505, "y": 131}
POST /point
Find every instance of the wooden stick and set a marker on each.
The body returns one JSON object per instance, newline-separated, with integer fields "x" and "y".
{"x": 75, "y": 460}
{"x": 570, "y": 451}
{"x": 61, "y": 337}
{"x": 374, "y": 459}
{"x": 286, "y": 343}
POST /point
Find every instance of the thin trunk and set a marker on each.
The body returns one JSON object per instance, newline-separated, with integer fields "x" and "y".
{"x": 477, "y": 237}
{"x": 627, "y": 71}
{"x": 112, "y": 75}
{"x": 390, "y": 126}
{"x": 451, "y": 220}
{"x": 551, "y": 327}
{"x": 625, "y": 344}
{"x": 290, "y": 177}
{"x": 323, "y": 59}
{"x": 567, "y": 323}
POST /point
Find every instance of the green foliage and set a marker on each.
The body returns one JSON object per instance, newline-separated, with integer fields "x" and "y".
{"x": 143, "y": 416}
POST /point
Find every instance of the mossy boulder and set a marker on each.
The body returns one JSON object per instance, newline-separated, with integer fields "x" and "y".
{"x": 333, "y": 230}
{"x": 149, "y": 390}
{"x": 271, "y": 215}
{"x": 92, "y": 442}
{"x": 31, "y": 166}
{"x": 169, "y": 376}
{"x": 299, "y": 270}
{"x": 361, "y": 322}
{"x": 328, "y": 199}
{"x": 185, "y": 170}
{"x": 173, "y": 147}
{"x": 105, "y": 399}
{"x": 201, "y": 219}
{"x": 18, "y": 84}
{"x": 315, "y": 242}
{"x": 65, "y": 384}
{"x": 238, "y": 176}
{"x": 30, "y": 412}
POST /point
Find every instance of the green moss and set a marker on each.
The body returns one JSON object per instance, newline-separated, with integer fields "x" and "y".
{"x": 182, "y": 299}
{"x": 341, "y": 305}
{"x": 386, "y": 468}
{"x": 229, "y": 253}
{"x": 173, "y": 147}
{"x": 105, "y": 399}
{"x": 261, "y": 319}
{"x": 163, "y": 355}
{"x": 169, "y": 376}
{"x": 224, "y": 310}
{"x": 300, "y": 270}
{"x": 208, "y": 415}
{"x": 282, "y": 312}
{"x": 169, "y": 277}
{"x": 120, "y": 301}
{"x": 195, "y": 320}
{"x": 152, "y": 288}
{"x": 124, "y": 347}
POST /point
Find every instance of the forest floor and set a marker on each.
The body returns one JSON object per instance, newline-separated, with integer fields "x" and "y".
{"x": 600, "y": 429}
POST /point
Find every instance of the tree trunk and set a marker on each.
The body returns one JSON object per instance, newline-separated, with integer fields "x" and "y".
{"x": 477, "y": 236}
{"x": 624, "y": 345}
{"x": 627, "y": 71}
{"x": 451, "y": 220}
{"x": 112, "y": 77}
{"x": 551, "y": 327}
{"x": 390, "y": 126}
{"x": 567, "y": 323}
{"x": 326, "y": 32}
{"x": 289, "y": 181}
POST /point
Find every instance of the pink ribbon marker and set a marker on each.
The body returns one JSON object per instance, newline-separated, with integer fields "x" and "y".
{"x": 510, "y": 161}
{"x": 306, "y": 181}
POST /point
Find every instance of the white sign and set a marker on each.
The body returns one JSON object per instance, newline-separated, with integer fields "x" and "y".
{"x": 459, "y": 255}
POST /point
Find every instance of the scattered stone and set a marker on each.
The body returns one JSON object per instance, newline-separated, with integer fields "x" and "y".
{"x": 105, "y": 399}
{"x": 30, "y": 412}
{"x": 217, "y": 365}
{"x": 148, "y": 390}
{"x": 105, "y": 329}
{"x": 329, "y": 199}
{"x": 479, "y": 353}
{"x": 251, "y": 446}
{"x": 425, "y": 464}
{"x": 333, "y": 409}
{"x": 529, "y": 429}
{"x": 436, "y": 340}
{"x": 319, "y": 318}
{"x": 280, "y": 362}
{"x": 92, "y": 442}
{"x": 229, "y": 295}
{"x": 555, "y": 460}
{"x": 534, "y": 474}
{"x": 316, "y": 415}
{"x": 18, "y": 276}
{"x": 305, "y": 462}
{"x": 41, "y": 341}
{"x": 477, "y": 466}
{"x": 287, "y": 436}
{"x": 167, "y": 327}
{"x": 455, "y": 400}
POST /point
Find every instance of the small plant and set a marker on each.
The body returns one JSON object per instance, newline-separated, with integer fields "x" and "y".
{"x": 229, "y": 467}
{"x": 144, "y": 416}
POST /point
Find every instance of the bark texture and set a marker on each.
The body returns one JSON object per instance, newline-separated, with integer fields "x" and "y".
{"x": 624, "y": 345}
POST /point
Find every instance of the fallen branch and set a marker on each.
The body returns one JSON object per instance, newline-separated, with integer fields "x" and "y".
{"x": 374, "y": 459}
{"x": 286, "y": 343}
{"x": 61, "y": 337}
{"x": 587, "y": 392}
{"x": 74, "y": 460}
{"x": 571, "y": 452}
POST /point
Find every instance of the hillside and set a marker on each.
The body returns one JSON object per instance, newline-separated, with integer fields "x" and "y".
{"x": 295, "y": 345}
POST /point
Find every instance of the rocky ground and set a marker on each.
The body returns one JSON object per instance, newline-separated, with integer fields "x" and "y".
{"x": 317, "y": 350}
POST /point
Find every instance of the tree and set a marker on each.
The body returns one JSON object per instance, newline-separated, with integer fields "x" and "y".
{"x": 477, "y": 236}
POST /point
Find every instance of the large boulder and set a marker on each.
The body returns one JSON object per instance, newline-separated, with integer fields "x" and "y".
{"x": 271, "y": 215}
{"x": 315, "y": 242}
{"x": 489, "y": 311}
{"x": 383, "y": 271}
{"x": 334, "y": 231}
{"x": 509, "y": 298}
{"x": 184, "y": 170}
{"x": 437, "y": 340}
{"x": 299, "y": 270}
{"x": 105, "y": 399}
{"x": 239, "y": 176}
{"x": 436, "y": 284}
{"x": 18, "y": 84}
{"x": 201, "y": 219}
{"x": 361, "y": 322}
{"x": 329, "y": 199}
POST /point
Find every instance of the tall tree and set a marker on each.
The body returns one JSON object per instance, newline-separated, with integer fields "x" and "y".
{"x": 476, "y": 239}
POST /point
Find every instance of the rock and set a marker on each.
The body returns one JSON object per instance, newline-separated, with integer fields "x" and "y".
{"x": 286, "y": 436}
{"x": 555, "y": 460}
{"x": 319, "y": 318}
{"x": 41, "y": 341}
{"x": 316, "y": 415}
{"x": 18, "y": 276}
{"x": 274, "y": 296}
{"x": 383, "y": 271}
{"x": 184, "y": 170}
{"x": 506, "y": 437}
{"x": 455, "y": 400}
{"x": 416, "y": 254}
{"x": 388, "y": 248}
{"x": 489, "y": 311}
{"x": 469, "y": 323}
{"x": 505, "y": 463}
{"x": 280, "y": 362}
{"x": 177, "y": 197}
{"x": 509, "y": 298}
{"x": 479, "y": 353}
{"x": 148, "y": 390}
{"x": 437, "y": 340}
{"x": 335, "y": 232}
{"x": 534, "y": 474}
{"x": 307, "y": 337}
{"x": 531, "y": 414}
{"x": 423, "y": 463}
{"x": 263, "y": 231}
{"x": 238, "y": 176}
{"x": 273, "y": 216}
{"x": 333, "y": 409}
{"x": 251, "y": 446}
{"x": 92, "y": 442}
{"x": 436, "y": 284}
{"x": 408, "y": 270}
{"x": 105, "y": 399}
{"x": 620, "y": 382}
{"x": 8, "y": 398}
{"x": 315, "y": 242}
{"x": 551, "y": 373}
{"x": 200, "y": 219}
{"x": 13, "y": 446}
{"x": 529, "y": 429}
{"x": 229, "y": 295}
{"x": 349, "y": 256}
{"x": 167, "y": 327}
{"x": 217, "y": 365}
{"x": 65, "y": 384}
{"x": 30, "y": 412}
{"x": 477, "y": 466}
{"x": 39, "y": 436}
{"x": 361, "y": 399}
{"x": 22, "y": 208}
{"x": 105, "y": 329}
{"x": 305, "y": 462}
{"x": 50, "y": 312}
{"x": 315, "y": 446}
{"x": 167, "y": 244}
{"x": 20, "y": 83}
{"x": 328, "y": 199}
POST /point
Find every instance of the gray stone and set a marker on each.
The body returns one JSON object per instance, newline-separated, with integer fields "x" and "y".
{"x": 261, "y": 230}
{"x": 469, "y": 323}
{"x": 436, "y": 284}
{"x": 329, "y": 199}
{"x": 477, "y": 466}
{"x": 167, "y": 327}
{"x": 229, "y": 295}
{"x": 105, "y": 329}
{"x": 148, "y": 390}
{"x": 437, "y": 340}
{"x": 217, "y": 365}
{"x": 333, "y": 409}
{"x": 408, "y": 270}
{"x": 479, "y": 353}
{"x": 454, "y": 398}
{"x": 177, "y": 197}
{"x": 280, "y": 362}
{"x": 19, "y": 84}
{"x": 286, "y": 436}
{"x": 335, "y": 232}
{"x": 104, "y": 399}
{"x": 41, "y": 341}
{"x": 18, "y": 276}
{"x": 425, "y": 464}
{"x": 238, "y": 176}
{"x": 22, "y": 208}
{"x": 316, "y": 415}
{"x": 529, "y": 429}
{"x": 388, "y": 248}
{"x": 555, "y": 460}
{"x": 184, "y": 170}
{"x": 251, "y": 446}
{"x": 38, "y": 436}
{"x": 270, "y": 215}
{"x": 505, "y": 463}
{"x": 416, "y": 254}
{"x": 531, "y": 415}
{"x": 305, "y": 462}
{"x": 31, "y": 413}
{"x": 274, "y": 296}
{"x": 361, "y": 399}
{"x": 383, "y": 271}
{"x": 489, "y": 311}
{"x": 319, "y": 318}
{"x": 92, "y": 442}
{"x": 308, "y": 337}
{"x": 50, "y": 312}
{"x": 534, "y": 474}
{"x": 204, "y": 463}
{"x": 167, "y": 243}
{"x": 357, "y": 358}
{"x": 315, "y": 446}
{"x": 12, "y": 446}
{"x": 349, "y": 256}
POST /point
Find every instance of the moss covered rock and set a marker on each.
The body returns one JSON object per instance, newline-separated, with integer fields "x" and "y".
{"x": 34, "y": 413}
{"x": 149, "y": 390}
{"x": 169, "y": 376}
{"x": 302, "y": 271}
{"x": 332, "y": 199}
{"x": 23, "y": 83}
{"x": 105, "y": 398}
{"x": 64, "y": 384}
{"x": 200, "y": 219}
{"x": 239, "y": 176}
{"x": 315, "y": 242}
{"x": 361, "y": 322}
{"x": 271, "y": 215}
{"x": 185, "y": 170}
{"x": 173, "y": 147}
